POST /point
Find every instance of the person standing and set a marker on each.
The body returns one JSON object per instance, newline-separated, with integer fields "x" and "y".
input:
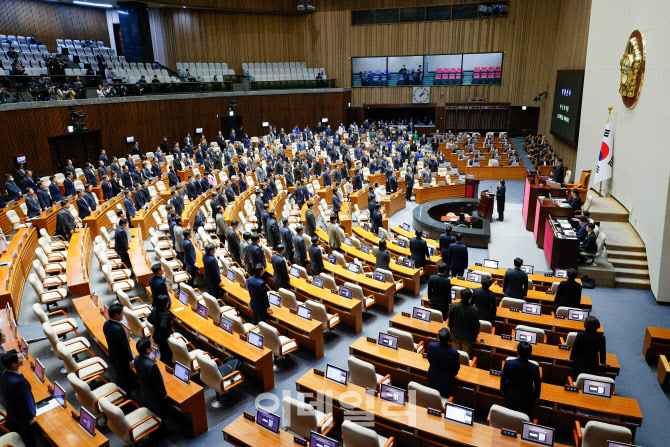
{"x": 221, "y": 225}
{"x": 569, "y": 293}
{"x": 65, "y": 224}
{"x": 258, "y": 295}
{"x": 300, "y": 248}
{"x": 464, "y": 322}
{"x": 152, "y": 387}
{"x": 310, "y": 220}
{"x": 161, "y": 318}
{"x": 444, "y": 363}
{"x": 515, "y": 283}
{"x": 272, "y": 230}
{"x": 121, "y": 243}
{"x": 280, "y": 270}
{"x": 189, "y": 257}
{"x": 212, "y": 271}
{"x": 157, "y": 283}
{"x": 520, "y": 382}
{"x": 485, "y": 300}
{"x": 500, "y": 200}
{"x": 287, "y": 239}
{"x": 382, "y": 258}
{"x": 315, "y": 257}
{"x": 458, "y": 256}
{"x": 419, "y": 250}
{"x": 233, "y": 242}
{"x": 588, "y": 347}
{"x": 439, "y": 290}
{"x": 446, "y": 240}
{"x": 120, "y": 356}
{"x": 20, "y": 403}
{"x": 334, "y": 238}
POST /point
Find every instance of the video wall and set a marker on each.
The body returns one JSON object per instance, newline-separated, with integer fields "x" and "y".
{"x": 433, "y": 69}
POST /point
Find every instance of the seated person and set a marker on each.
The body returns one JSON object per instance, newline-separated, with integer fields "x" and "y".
{"x": 581, "y": 228}
{"x": 589, "y": 247}
{"x": 575, "y": 201}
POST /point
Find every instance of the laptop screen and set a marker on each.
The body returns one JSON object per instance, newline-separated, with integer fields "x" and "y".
{"x": 87, "y": 421}
{"x": 577, "y": 315}
{"x": 389, "y": 341}
{"x": 405, "y": 226}
{"x": 59, "y": 394}
{"x": 182, "y": 373}
{"x": 597, "y": 388}
{"x": 392, "y": 394}
{"x": 366, "y": 227}
{"x": 182, "y": 297}
{"x": 347, "y": 241}
{"x": 201, "y": 310}
{"x": 230, "y": 275}
{"x": 274, "y": 299}
{"x": 474, "y": 277}
{"x": 528, "y": 269}
{"x": 226, "y": 325}
{"x": 346, "y": 292}
{"x": 421, "y": 314}
{"x": 457, "y": 413}
{"x": 560, "y": 273}
{"x": 528, "y": 336}
{"x": 331, "y": 259}
{"x": 317, "y": 440}
{"x": 619, "y": 444}
{"x": 305, "y": 312}
{"x": 267, "y": 420}
{"x": 538, "y": 434}
{"x": 295, "y": 272}
{"x": 354, "y": 268}
{"x": 378, "y": 276}
{"x": 409, "y": 263}
{"x": 532, "y": 308}
{"x": 365, "y": 249}
{"x": 490, "y": 263}
{"x": 402, "y": 243}
{"x": 336, "y": 374}
{"x": 39, "y": 370}
{"x": 317, "y": 282}
{"x": 255, "y": 339}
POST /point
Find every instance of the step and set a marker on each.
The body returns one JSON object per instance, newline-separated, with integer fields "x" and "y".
{"x": 631, "y": 273}
{"x": 629, "y": 263}
{"x": 625, "y": 254}
{"x": 633, "y": 283}
{"x": 634, "y": 248}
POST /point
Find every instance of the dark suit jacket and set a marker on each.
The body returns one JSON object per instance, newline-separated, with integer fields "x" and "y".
{"x": 458, "y": 256}
{"x": 157, "y": 286}
{"x": 33, "y": 204}
{"x": 212, "y": 272}
{"x": 559, "y": 174}
{"x": 445, "y": 241}
{"x": 589, "y": 245}
{"x": 485, "y": 301}
{"x": 586, "y": 350}
{"x": 444, "y": 365}
{"x": 90, "y": 177}
{"x": 82, "y": 205}
{"x": 107, "y": 192}
{"x": 300, "y": 250}
{"x": 274, "y": 238}
{"x": 515, "y": 284}
{"x": 233, "y": 244}
{"x": 19, "y": 400}
{"x": 258, "y": 294}
{"x": 439, "y": 293}
{"x": 463, "y": 322}
{"x": 64, "y": 223}
{"x": 419, "y": 249}
{"x": 311, "y": 223}
{"x": 55, "y": 193}
{"x": 315, "y": 258}
{"x": 287, "y": 240}
{"x": 569, "y": 294}
{"x": 173, "y": 178}
{"x": 280, "y": 276}
{"x": 152, "y": 388}
{"x": 68, "y": 187}
{"x": 520, "y": 384}
{"x": 121, "y": 241}
{"x": 120, "y": 355}
{"x": 576, "y": 203}
{"x": 377, "y": 221}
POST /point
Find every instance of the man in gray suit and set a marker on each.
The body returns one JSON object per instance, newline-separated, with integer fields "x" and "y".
{"x": 280, "y": 275}
{"x": 221, "y": 225}
{"x": 425, "y": 176}
{"x": 260, "y": 174}
{"x": 178, "y": 231}
{"x": 300, "y": 249}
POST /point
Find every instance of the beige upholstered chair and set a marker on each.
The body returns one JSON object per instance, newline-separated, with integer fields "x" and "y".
{"x": 319, "y": 313}
{"x": 301, "y": 418}
{"x": 427, "y": 397}
{"x": 75, "y": 345}
{"x": 89, "y": 398}
{"x": 354, "y": 435}
{"x": 47, "y": 297}
{"x": 541, "y": 335}
{"x": 596, "y": 434}
{"x": 86, "y": 370}
{"x": 137, "y": 327}
{"x": 406, "y": 340}
{"x": 280, "y": 345}
{"x": 363, "y": 374}
{"x": 501, "y": 417}
{"x": 142, "y": 310}
{"x": 240, "y": 327}
{"x": 288, "y": 299}
{"x": 486, "y": 327}
{"x": 508, "y": 302}
{"x": 131, "y": 427}
{"x": 11, "y": 439}
{"x": 214, "y": 310}
{"x": 181, "y": 354}
{"x": 211, "y": 376}
{"x": 60, "y": 327}
{"x": 357, "y": 293}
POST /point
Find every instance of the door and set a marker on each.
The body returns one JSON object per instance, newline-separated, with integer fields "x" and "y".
{"x": 80, "y": 147}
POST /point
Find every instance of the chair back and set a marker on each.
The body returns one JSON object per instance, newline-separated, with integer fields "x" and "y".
{"x": 554, "y": 287}
{"x": 405, "y": 339}
{"x": 41, "y": 274}
{"x": 596, "y": 434}
{"x": 425, "y": 396}
{"x": 541, "y": 336}
{"x": 355, "y": 435}
{"x": 179, "y": 351}
{"x": 485, "y": 327}
{"x": 508, "y": 302}
{"x": 464, "y": 358}
{"x": 587, "y": 203}
{"x": 209, "y": 371}
{"x": 124, "y": 299}
{"x": 134, "y": 322}
{"x": 50, "y": 334}
{"x": 579, "y": 383}
{"x": 570, "y": 338}
{"x": 501, "y": 417}
{"x": 238, "y": 324}
{"x": 299, "y": 417}
{"x": 564, "y": 310}
{"x": 63, "y": 353}
{"x": 362, "y": 373}
{"x": 340, "y": 260}
{"x": 213, "y": 309}
{"x": 319, "y": 312}
{"x": 192, "y": 299}
{"x": 600, "y": 242}
{"x": 40, "y": 314}
{"x": 288, "y": 299}
{"x": 116, "y": 420}
{"x": 84, "y": 394}
{"x": 270, "y": 338}
{"x": 328, "y": 281}
{"x": 388, "y": 273}
{"x": 357, "y": 291}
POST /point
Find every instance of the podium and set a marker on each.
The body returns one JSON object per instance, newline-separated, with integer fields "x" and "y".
{"x": 485, "y": 210}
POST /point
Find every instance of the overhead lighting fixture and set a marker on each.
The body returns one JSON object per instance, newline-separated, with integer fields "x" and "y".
{"x": 125, "y": 13}
{"x": 523, "y": 107}
{"x": 99, "y": 5}
{"x": 301, "y": 5}
{"x": 310, "y": 6}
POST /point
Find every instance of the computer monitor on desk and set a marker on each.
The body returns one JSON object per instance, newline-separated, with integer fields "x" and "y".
{"x": 317, "y": 440}
{"x": 474, "y": 277}
{"x": 267, "y": 420}
{"x": 577, "y": 315}
{"x": 529, "y": 269}
{"x": 527, "y": 336}
{"x": 274, "y": 299}
{"x": 317, "y": 282}
{"x": 388, "y": 341}
{"x": 490, "y": 263}
{"x": 392, "y": 394}
{"x": 460, "y": 414}
{"x": 335, "y": 374}
{"x": 537, "y": 434}
{"x": 561, "y": 273}
{"x": 531, "y": 309}
{"x": 597, "y": 388}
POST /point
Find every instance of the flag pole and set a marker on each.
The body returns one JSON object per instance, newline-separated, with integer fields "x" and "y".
{"x": 600, "y": 186}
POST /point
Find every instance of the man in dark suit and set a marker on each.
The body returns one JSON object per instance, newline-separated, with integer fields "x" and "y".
{"x": 589, "y": 246}
{"x": 54, "y": 190}
{"x": 173, "y": 178}
{"x": 138, "y": 196}
{"x": 107, "y": 192}
{"x": 280, "y": 270}
{"x": 445, "y": 241}
{"x": 258, "y": 207}
{"x": 102, "y": 170}
{"x": 272, "y": 230}
{"x": 409, "y": 184}
{"x": 515, "y": 284}
{"x": 152, "y": 387}
{"x": 520, "y": 382}
{"x": 464, "y": 322}
{"x": 126, "y": 178}
{"x": 258, "y": 295}
{"x": 419, "y": 250}
{"x": 484, "y": 300}
{"x": 310, "y": 220}
{"x": 114, "y": 166}
{"x": 233, "y": 241}
{"x": 19, "y": 400}
{"x": 90, "y": 199}
{"x": 569, "y": 293}
{"x": 444, "y": 363}
{"x": 13, "y": 191}
{"x": 89, "y": 174}
{"x": 65, "y": 224}
{"x": 212, "y": 271}
{"x": 300, "y": 250}
{"x": 157, "y": 282}
{"x": 70, "y": 168}
{"x": 32, "y": 202}
{"x": 590, "y": 348}
{"x": 315, "y": 257}
{"x": 458, "y": 256}
{"x": 377, "y": 219}
{"x": 256, "y": 253}
{"x": 576, "y": 201}
{"x": 189, "y": 257}
{"x": 581, "y": 228}
{"x": 120, "y": 355}
{"x": 68, "y": 185}
{"x": 439, "y": 290}
{"x": 115, "y": 184}
{"x": 500, "y": 200}
{"x": 121, "y": 242}
{"x": 82, "y": 205}
{"x": 43, "y": 196}
{"x": 559, "y": 172}
{"x": 287, "y": 239}
{"x": 128, "y": 205}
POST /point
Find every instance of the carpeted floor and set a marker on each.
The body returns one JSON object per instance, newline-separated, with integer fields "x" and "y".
{"x": 624, "y": 314}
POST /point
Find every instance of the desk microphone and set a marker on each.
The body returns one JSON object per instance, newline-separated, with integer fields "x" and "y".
{"x": 551, "y": 198}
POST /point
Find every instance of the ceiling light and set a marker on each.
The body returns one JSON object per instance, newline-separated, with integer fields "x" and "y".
{"x": 99, "y": 5}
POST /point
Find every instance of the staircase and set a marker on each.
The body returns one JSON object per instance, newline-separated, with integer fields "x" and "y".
{"x": 630, "y": 265}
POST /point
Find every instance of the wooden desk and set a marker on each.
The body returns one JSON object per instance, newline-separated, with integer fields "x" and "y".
{"x": 493, "y": 350}
{"x": 47, "y": 220}
{"x": 545, "y": 208}
{"x": 496, "y": 172}
{"x": 360, "y": 197}
{"x": 188, "y": 399}
{"x": 308, "y": 334}
{"x": 349, "y": 311}
{"x": 144, "y": 219}
{"x": 13, "y": 278}
{"x": 244, "y": 433}
{"x": 410, "y": 234}
{"x": 499, "y": 273}
{"x": 656, "y": 342}
{"x": 506, "y": 320}
{"x": 409, "y": 425}
{"x": 478, "y": 388}
{"x": 139, "y": 258}
{"x": 438, "y": 192}
{"x": 394, "y": 203}
{"x": 561, "y": 251}
{"x": 99, "y": 219}
{"x": 57, "y": 424}
{"x": 78, "y": 261}
{"x": 256, "y": 362}
{"x": 531, "y": 191}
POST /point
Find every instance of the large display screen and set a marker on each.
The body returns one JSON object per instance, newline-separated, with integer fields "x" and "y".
{"x": 567, "y": 105}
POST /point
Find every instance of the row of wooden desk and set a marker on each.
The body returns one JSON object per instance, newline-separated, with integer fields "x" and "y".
{"x": 15, "y": 266}
{"x": 426, "y": 194}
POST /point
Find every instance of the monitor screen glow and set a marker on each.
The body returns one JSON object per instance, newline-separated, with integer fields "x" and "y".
{"x": 529, "y": 269}
{"x": 274, "y": 299}
{"x": 267, "y": 420}
{"x": 421, "y": 314}
{"x": 597, "y": 388}
{"x": 182, "y": 297}
{"x": 336, "y": 374}
{"x": 59, "y": 394}
{"x": 354, "y": 268}
{"x": 490, "y": 263}
{"x": 255, "y": 339}
{"x": 226, "y": 325}
{"x": 457, "y": 413}
{"x": 230, "y": 275}
{"x": 561, "y": 273}
{"x": 537, "y": 434}
{"x": 317, "y": 282}
{"x": 346, "y": 292}
{"x": 392, "y": 394}
{"x": 201, "y": 310}
{"x": 182, "y": 373}
{"x": 527, "y": 336}
{"x": 295, "y": 272}
{"x": 379, "y": 276}
{"x": 317, "y": 440}
{"x": 531, "y": 308}
{"x": 87, "y": 421}
{"x": 305, "y": 312}
{"x": 388, "y": 341}
{"x": 577, "y": 315}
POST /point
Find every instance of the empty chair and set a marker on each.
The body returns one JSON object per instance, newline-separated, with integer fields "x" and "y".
{"x": 569, "y": 339}
{"x": 486, "y": 327}
{"x": 240, "y": 327}
{"x": 214, "y": 310}
{"x": 301, "y": 418}
{"x": 56, "y": 242}
{"x": 47, "y": 297}
{"x": 89, "y": 398}
{"x": 181, "y": 354}
{"x": 174, "y": 277}
{"x": 319, "y": 313}
{"x": 115, "y": 285}
{"x": 540, "y": 332}
{"x": 508, "y": 303}
{"x": 596, "y": 434}
{"x": 427, "y": 397}
{"x": 48, "y": 282}
{"x": 221, "y": 378}
{"x": 288, "y": 299}
{"x": 86, "y": 370}
{"x": 363, "y": 374}
{"x": 131, "y": 427}
{"x": 579, "y": 383}
{"x": 15, "y": 220}
{"x": 354, "y": 435}
{"x": 406, "y": 340}
{"x": 137, "y": 327}
{"x": 280, "y": 345}
{"x": 142, "y": 310}
{"x": 328, "y": 281}
{"x": 192, "y": 299}
{"x": 11, "y": 439}
{"x": 62, "y": 326}
{"x": 501, "y": 417}
{"x": 75, "y": 345}
{"x": 464, "y": 359}
{"x": 357, "y": 293}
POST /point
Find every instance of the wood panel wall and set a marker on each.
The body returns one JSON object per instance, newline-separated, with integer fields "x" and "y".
{"x": 51, "y": 21}
{"x": 27, "y": 131}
